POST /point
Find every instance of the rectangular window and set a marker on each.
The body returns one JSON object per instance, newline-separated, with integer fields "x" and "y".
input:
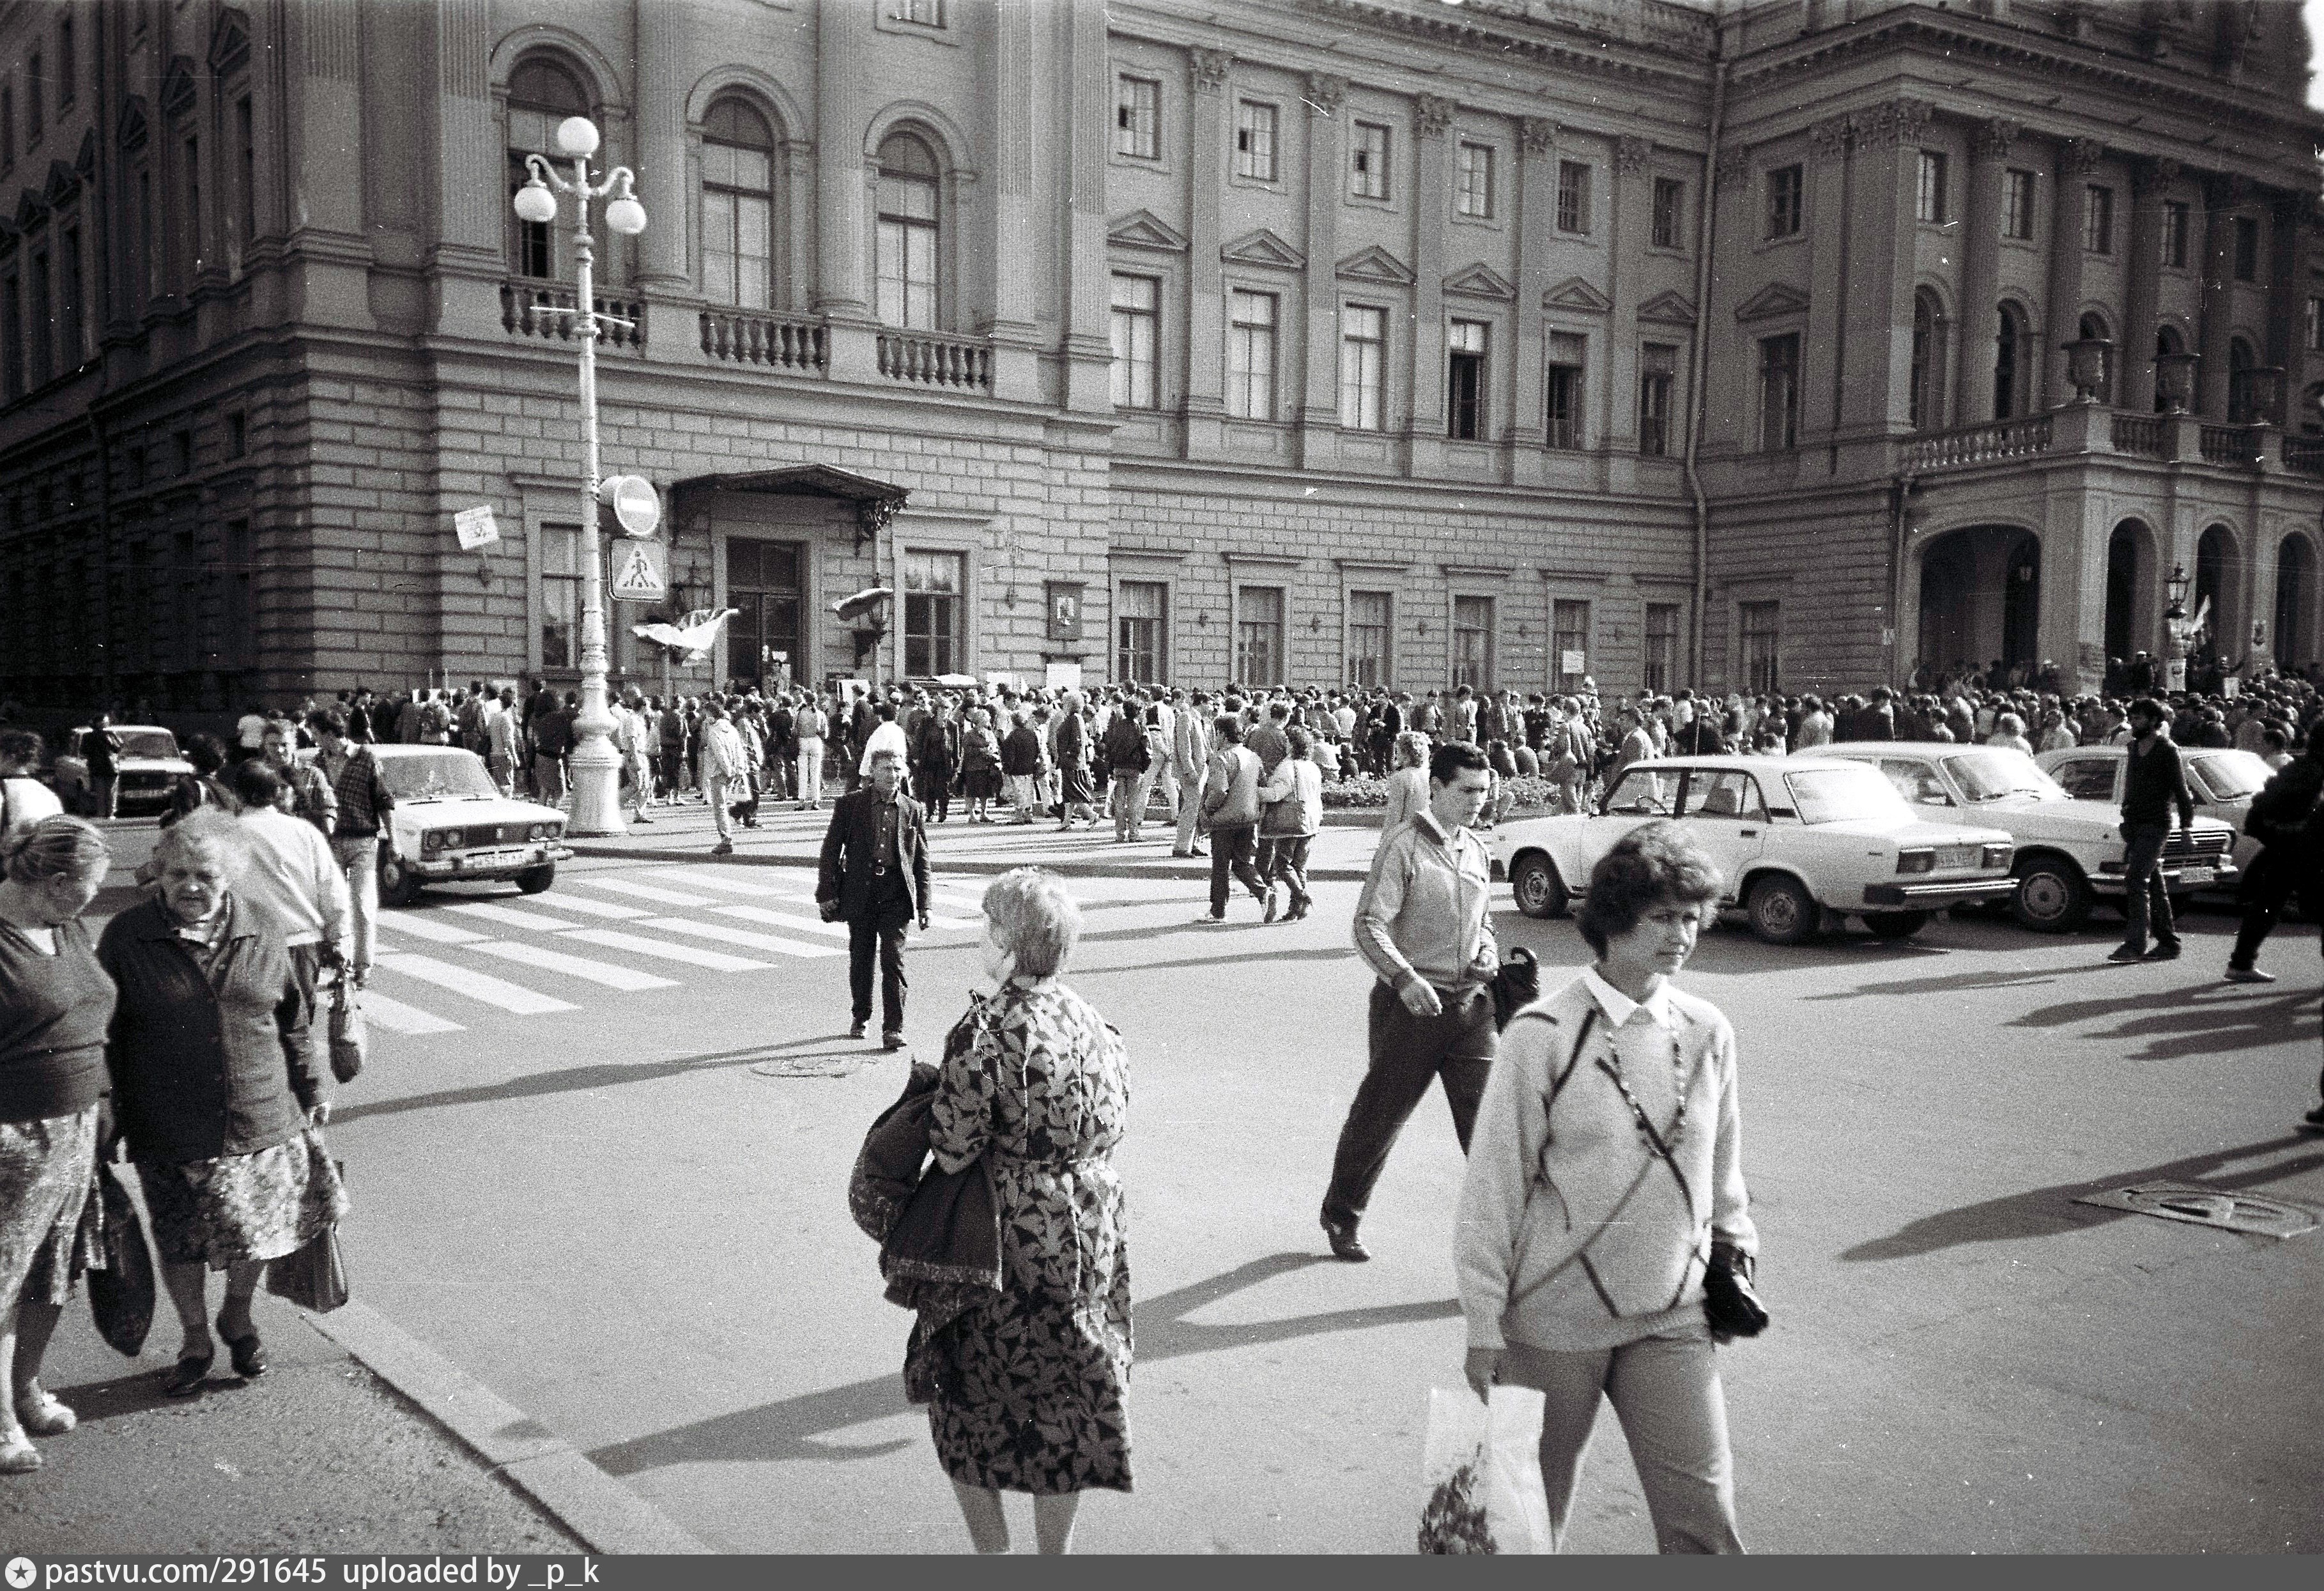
{"x": 181, "y": 450}
{"x": 1761, "y": 635}
{"x": 2315, "y": 342}
{"x": 245, "y": 170}
{"x": 34, "y": 115}
{"x": 1472, "y": 642}
{"x": 192, "y": 151}
{"x": 905, "y": 255}
{"x": 1138, "y": 117}
{"x": 237, "y": 435}
{"x": 1370, "y": 616}
{"x": 1658, "y": 375}
{"x": 1464, "y": 379}
{"x": 1141, "y": 631}
{"x": 560, "y": 596}
{"x": 1250, "y": 355}
{"x": 1569, "y": 645}
{"x": 1779, "y": 392}
{"x": 1929, "y": 203}
{"x": 2017, "y": 206}
{"x": 2098, "y": 219}
{"x": 928, "y": 14}
{"x": 1670, "y": 204}
{"x": 1573, "y": 197}
{"x": 1258, "y": 635}
{"x": 67, "y": 67}
{"x": 1368, "y": 161}
{"x": 1137, "y": 315}
{"x": 737, "y": 225}
{"x": 1255, "y": 141}
{"x": 2247, "y": 249}
{"x": 240, "y": 616}
{"x": 2174, "y": 234}
{"x": 43, "y": 324}
{"x": 1785, "y": 189}
{"x": 73, "y": 333}
{"x": 1363, "y": 366}
{"x": 1662, "y": 648}
{"x": 933, "y": 584}
{"x": 1473, "y": 194}
{"x": 1568, "y": 360}
{"x": 12, "y": 338}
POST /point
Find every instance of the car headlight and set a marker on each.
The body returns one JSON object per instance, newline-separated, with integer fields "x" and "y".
{"x": 1916, "y": 862}
{"x": 537, "y": 831}
{"x": 1998, "y": 856}
{"x": 431, "y": 843}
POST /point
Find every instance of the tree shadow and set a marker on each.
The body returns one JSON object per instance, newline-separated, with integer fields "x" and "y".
{"x": 2041, "y": 1212}
{"x": 573, "y": 1080}
{"x": 794, "y": 1428}
{"x": 2181, "y": 1022}
{"x": 1332, "y": 953}
{"x": 1952, "y": 983}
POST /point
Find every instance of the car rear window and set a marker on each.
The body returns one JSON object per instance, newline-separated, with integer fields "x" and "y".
{"x": 1837, "y": 791}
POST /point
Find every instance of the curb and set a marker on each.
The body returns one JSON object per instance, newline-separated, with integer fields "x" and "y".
{"x": 606, "y": 1515}
{"x": 975, "y": 866}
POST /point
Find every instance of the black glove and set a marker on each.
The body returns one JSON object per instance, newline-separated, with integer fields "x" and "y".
{"x": 1728, "y": 1302}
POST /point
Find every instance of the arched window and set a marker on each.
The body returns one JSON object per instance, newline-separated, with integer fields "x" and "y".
{"x": 909, "y": 233}
{"x": 2240, "y": 360}
{"x": 738, "y": 206}
{"x": 2167, "y": 342}
{"x": 543, "y": 92}
{"x": 2094, "y": 325}
{"x": 2012, "y": 371}
{"x": 2312, "y": 411}
{"x": 1928, "y": 362}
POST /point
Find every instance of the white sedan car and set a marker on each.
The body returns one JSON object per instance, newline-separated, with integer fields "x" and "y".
{"x": 146, "y": 770}
{"x": 451, "y": 822}
{"x": 2223, "y": 783}
{"x": 1794, "y": 840}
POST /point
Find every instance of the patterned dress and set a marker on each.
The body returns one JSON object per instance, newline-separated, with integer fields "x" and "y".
{"x": 1029, "y": 1395}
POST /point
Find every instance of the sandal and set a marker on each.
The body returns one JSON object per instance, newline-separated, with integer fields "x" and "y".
{"x": 185, "y": 1378}
{"x": 249, "y": 1354}
{"x": 45, "y": 1415}
{"x": 18, "y": 1456}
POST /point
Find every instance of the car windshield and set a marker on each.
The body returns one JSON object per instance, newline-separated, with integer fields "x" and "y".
{"x": 1995, "y": 773}
{"x": 1840, "y": 791}
{"x": 148, "y": 743}
{"x": 2233, "y": 775}
{"x": 437, "y": 775}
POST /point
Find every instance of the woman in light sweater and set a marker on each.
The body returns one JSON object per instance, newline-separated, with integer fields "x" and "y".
{"x": 1582, "y": 1244}
{"x": 1408, "y": 787}
{"x": 1291, "y": 806}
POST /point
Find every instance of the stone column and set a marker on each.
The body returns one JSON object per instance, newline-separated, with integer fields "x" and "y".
{"x": 1319, "y": 413}
{"x": 323, "y": 124}
{"x": 1431, "y": 199}
{"x": 1629, "y": 216}
{"x": 2133, "y": 354}
{"x": 1014, "y": 89}
{"x": 2076, "y": 158}
{"x": 662, "y": 143}
{"x": 2291, "y": 217}
{"x": 1982, "y": 198}
{"x": 1206, "y": 310}
{"x": 1876, "y": 380}
{"x": 2222, "y": 197}
{"x": 1823, "y": 349}
{"x": 1089, "y": 342}
{"x": 1535, "y": 221}
{"x": 470, "y": 190}
{"x": 843, "y": 198}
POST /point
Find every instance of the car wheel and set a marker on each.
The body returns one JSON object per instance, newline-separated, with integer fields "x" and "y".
{"x": 1540, "y": 892}
{"x": 398, "y": 886}
{"x": 534, "y": 880}
{"x": 1781, "y": 911}
{"x": 1895, "y": 925}
{"x": 2052, "y": 897}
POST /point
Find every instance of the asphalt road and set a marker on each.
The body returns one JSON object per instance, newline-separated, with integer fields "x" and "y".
{"x": 584, "y": 1195}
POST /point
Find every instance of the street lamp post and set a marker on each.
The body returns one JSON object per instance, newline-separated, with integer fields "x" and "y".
{"x": 2174, "y": 630}
{"x": 596, "y": 767}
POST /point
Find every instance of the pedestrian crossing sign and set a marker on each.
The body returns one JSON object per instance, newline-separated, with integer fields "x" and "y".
{"x": 641, "y": 576}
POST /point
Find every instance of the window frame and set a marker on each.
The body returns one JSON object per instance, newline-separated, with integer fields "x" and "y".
{"x": 953, "y": 605}
{"x": 567, "y": 582}
{"x": 1380, "y": 179}
{"x": 2098, "y": 219}
{"x": 1929, "y": 189}
{"x": 550, "y": 240}
{"x": 737, "y": 193}
{"x": 1464, "y": 188}
{"x": 1280, "y": 624}
{"x": 1125, "y": 129}
{"x": 1673, "y": 189}
{"x": 1575, "y": 183}
{"x": 2312, "y": 341}
{"x": 2021, "y": 191}
{"x": 1377, "y": 391}
{"x": 1561, "y": 615}
{"x": 1273, "y": 175}
{"x": 2243, "y": 248}
{"x": 1575, "y": 417}
{"x": 904, "y": 229}
{"x": 1475, "y": 409}
{"x": 1122, "y": 380}
{"x": 1457, "y": 665}
{"x": 1238, "y": 342}
{"x": 1651, "y": 641}
{"x": 1350, "y": 656}
{"x": 1747, "y": 609}
{"x": 2178, "y": 221}
{"x": 1782, "y": 222}
{"x": 1160, "y": 648}
{"x": 1765, "y": 368}
{"x": 1650, "y": 382}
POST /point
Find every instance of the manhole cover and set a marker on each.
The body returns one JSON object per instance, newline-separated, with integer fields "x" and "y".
{"x": 2210, "y": 1206}
{"x": 808, "y": 1066}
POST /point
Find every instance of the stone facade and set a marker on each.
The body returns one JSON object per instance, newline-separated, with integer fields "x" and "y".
{"x": 1429, "y": 376}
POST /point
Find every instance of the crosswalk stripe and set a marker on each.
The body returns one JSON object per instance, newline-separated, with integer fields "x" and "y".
{"x": 421, "y": 925}
{"x": 511, "y": 914}
{"x": 645, "y": 891}
{"x": 597, "y": 908}
{"x": 606, "y": 973}
{"x": 726, "y": 936}
{"x": 398, "y": 1017}
{"x": 751, "y": 914}
{"x": 710, "y": 878}
{"x": 692, "y": 955}
{"x": 477, "y": 986}
{"x": 935, "y": 919}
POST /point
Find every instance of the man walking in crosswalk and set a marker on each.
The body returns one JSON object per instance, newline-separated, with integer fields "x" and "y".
{"x": 874, "y": 878}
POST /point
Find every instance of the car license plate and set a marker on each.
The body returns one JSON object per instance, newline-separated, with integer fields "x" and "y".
{"x": 2198, "y": 875}
{"x": 1957, "y": 856}
{"x": 491, "y": 858}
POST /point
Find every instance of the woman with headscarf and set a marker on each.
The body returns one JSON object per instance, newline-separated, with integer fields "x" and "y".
{"x": 215, "y": 1090}
{"x": 55, "y": 1002}
{"x": 979, "y": 765}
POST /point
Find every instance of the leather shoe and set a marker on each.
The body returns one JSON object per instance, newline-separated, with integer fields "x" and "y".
{"x": 248, "y": 1352}
{"x": 891, "y": 1040}
{"x": 185, "y": 1378}
{"x": 855, "y": 1030}
{"x": 2248, "y": 975}
{"x": 2163, "y": 952}
{"x": 2126, "y": 953}
{"x": 1345, "y": 1244}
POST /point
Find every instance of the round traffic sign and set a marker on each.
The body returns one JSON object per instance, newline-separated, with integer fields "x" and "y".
{"x": 636, "y": 506}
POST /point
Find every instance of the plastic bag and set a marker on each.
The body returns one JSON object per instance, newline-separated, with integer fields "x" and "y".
{"x": 1481, "y": 1466}
{"x": 121, "y": 1271}
{"x": 314, "y": 1277}
{"x": 347, "y": 1040}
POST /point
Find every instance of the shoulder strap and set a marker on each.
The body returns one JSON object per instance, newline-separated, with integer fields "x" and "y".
{"x": 1572, "y": 1058}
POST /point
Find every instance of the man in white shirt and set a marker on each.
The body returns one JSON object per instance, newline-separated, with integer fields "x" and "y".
{"x": 290, "y": 880}
{"x": 503, "y": 740}
{"x": 887, "y": 735}
{"x": 23, "y": 799}
{"x": 725, "y": 769}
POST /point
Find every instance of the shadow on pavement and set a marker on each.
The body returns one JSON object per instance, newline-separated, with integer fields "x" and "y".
{"x": 1336, "y": 953}
{"x": 576, "y": 1079}
{"x": 2182, "y": 1023}
{"x": 1952, "y": 983}
{"x": 2043, "y": 1211}
{"x": 787, "y": 1429}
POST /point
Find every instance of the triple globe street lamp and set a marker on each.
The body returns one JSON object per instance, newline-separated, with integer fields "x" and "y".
{"x": 595, "y": 766}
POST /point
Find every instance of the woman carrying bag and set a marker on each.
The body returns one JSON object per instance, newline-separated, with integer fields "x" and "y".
{"x": 1605, "y": 1234}
{"x": 1291, "y": 805}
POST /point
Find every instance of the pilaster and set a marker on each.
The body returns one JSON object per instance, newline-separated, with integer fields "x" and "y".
{"x": 1981, "y": 204}
{"x": 841, "y": 243}
{"x": 1206, "y": 316}
{"x": 1089, "y": 343}
{"x": 1013, "y": 87}
{"x": 1823, "y": 351}
{"x": 1319, "y": 412}
{"x": 323, "y": 128}
{"x": 470, "y": 188}
{"x": 1431, "y": 212}
{"x": 1876, "y": 378}
{"x": 1629, "y": 212}
{"x": 2291, "y": 219}
{"x": 2133, "y": 354}
{"x": 1536, "y": 188}
{"x": 661, "y": 141}
{"x": 2222, "y": 197}
{"x": 2076, "y": 158}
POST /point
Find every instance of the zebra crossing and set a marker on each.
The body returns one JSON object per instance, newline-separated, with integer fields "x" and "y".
{"x": 440, "y": 967}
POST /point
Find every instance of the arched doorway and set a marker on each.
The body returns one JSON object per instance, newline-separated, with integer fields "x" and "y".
{"x": 2219, "y": 580}
{"x": 2295, "y": 604}
{"x": 2130, "y": 591}
{"x": 1980, "y": 599}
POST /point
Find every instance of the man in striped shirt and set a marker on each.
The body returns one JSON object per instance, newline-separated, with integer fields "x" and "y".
{"x": 365, "y": 806}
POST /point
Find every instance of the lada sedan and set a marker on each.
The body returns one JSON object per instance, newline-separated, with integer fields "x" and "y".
{"x": 2222, "y": 782}
{"x": 145, "y": 771}
{"x": 1793, "y": 840}
{"x": 452, "y": 822}
{"x": 2069, "y": 852}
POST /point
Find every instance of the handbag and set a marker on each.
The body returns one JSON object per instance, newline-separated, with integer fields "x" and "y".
{"x": 1729, "y": 1302}
{"x": 1517, "y": 984}
{"x": 313, "y": 1276}
{"x": 347, "y": 1039}
{"x": 1283, "y": 820}
{"x": 121, "y": 1270}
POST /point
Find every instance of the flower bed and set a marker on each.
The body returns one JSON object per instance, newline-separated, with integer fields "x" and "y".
{"x": 1356, "y": 794}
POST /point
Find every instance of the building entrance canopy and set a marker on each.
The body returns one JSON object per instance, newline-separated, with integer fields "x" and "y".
{"x": 876, "y": 501}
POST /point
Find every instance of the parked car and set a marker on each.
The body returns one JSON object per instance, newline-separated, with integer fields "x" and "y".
{"x": 1793, "y": 840}
{"x": 2222, "y": 782}
{"x": 145, "y": 772}
{"x": 452, "y": 822}
{"x": 2069, "y": 852}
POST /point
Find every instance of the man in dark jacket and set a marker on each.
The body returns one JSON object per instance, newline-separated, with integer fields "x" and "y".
{"x": 1124, "y": 750}
{"x": 874, "y": 878}
{"x": 2280, "y": 818}
{"x": 2154, "y": 783}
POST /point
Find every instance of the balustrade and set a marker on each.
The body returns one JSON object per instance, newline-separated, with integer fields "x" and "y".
{"x": 1977, "y": 444}
{"x": 531, "y": 308}
{"x": 2139, "y": 434}
{"x": 743, "y": 338}
{"x": 929, "y": 359}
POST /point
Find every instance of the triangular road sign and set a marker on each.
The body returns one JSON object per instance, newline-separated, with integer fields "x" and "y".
{"x": 639, "y": 575}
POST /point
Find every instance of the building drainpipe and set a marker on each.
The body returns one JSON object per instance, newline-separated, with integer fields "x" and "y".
{"x": 103, "y": 557}
{"x": 1900, "y": 496}
{"x": 1706, "y": 230}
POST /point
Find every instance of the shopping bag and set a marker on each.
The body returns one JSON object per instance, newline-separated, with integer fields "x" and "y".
{"x": 1482, "y": 1465}
{"x": 120, "y": 1269}
{"x": 347, "y": 1040}
{"x": 314, "y": 1276}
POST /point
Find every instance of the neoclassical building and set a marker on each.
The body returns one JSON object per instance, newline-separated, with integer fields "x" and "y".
{"x": 1313, "y": 341}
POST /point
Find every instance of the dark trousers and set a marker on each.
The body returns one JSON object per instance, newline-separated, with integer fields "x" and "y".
{"x": 1285, "y": 857}
{"x": 2268, "y": 885}
{"x": 1406, "y": 1053}
{"x": 1231, "y": 853}
{"x": 879, "y": 927}
{"x": 2146, "y": 902}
